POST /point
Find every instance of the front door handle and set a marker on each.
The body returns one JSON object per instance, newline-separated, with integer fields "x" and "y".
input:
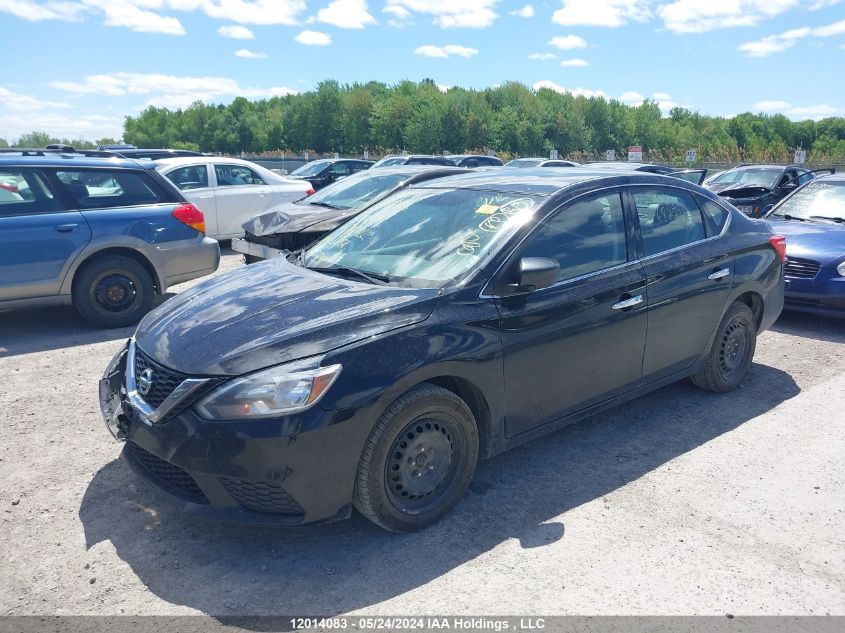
{"x": 67, "y": 228}
{"x": 628, "y": 303}
{"x": 719, "y": 274}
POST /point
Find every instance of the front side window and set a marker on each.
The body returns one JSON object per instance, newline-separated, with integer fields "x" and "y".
{"x": 101, "y": 188}
{"x": 191, "y": 177}
{"x": 23, "y": 192}
{"x": 584, "y": 237}
{"x": 236, "y": 175}
{"x": 668, "y": 219}
{"x": 425, "y": 237}
{"x": 340, "y": 169}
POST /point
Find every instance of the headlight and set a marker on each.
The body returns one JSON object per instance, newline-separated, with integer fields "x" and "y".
{"x": 841, "y": 269}
{"x": 270, "y": 393}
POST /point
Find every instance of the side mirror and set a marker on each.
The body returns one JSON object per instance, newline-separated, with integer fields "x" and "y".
{"x": 789, "y": 186}
{"x": 536, "y": 273}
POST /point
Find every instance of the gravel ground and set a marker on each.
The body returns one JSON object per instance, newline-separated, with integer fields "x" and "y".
{"x": 681, "y": 502}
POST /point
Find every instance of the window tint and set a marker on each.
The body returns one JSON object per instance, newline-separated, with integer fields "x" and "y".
{"x": 804, "y": 178}
{"x": 191, "y": 177}
{"x": 668, "y": 219}
{"x": 236, "y": 176}
{"x": 101, "y": 188}
{"x": 715, "y": 216}
{"x": 23, "y": 192}
{"x": 584, "y": 237}
{"x": 340, "y": 169}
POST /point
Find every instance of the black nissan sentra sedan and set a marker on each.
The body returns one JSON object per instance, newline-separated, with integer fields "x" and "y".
{"x": 449, "y": 322}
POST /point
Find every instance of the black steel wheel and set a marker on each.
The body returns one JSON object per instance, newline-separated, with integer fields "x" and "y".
{"x": 732, "y": 351}
{"x": 418, "y": 461}
{"x": 113, "y": 291}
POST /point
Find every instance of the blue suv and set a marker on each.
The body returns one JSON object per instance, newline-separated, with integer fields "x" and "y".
{"x": 103, "y": 234}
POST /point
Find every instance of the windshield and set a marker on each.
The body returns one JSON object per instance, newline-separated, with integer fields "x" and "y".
{"x": 310, "y": 169}
{"x": 814, "y": 201}
{"x": 524, "y": 162}
{"x": 762, "y": 177}
{"x": 387, "y": 161}
{"x": 355, "y": 191}
{"x": 425, "y": 237}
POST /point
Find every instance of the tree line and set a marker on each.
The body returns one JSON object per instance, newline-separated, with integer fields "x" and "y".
{"x": 510, "y": 119}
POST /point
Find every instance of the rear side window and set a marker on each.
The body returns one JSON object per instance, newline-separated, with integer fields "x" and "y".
{"x": 23, "y": 192}
{"x": 584, "y": 237}
{"x": 715, "y": 216}
{"x": 103, "y": 188}
{"x": 235, "y": 175}
{"x": 668, "y": 219}
{"x": 191, "y": 177}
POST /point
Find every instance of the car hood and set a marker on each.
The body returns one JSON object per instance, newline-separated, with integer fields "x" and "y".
{"x": 296, "y": 217}
{"x": 270, "y": 313}
{"x": 820, "y": 241}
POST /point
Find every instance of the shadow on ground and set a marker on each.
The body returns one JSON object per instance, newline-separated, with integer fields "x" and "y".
{"x": 229, "y": 570}
{"x": 811, "y": 326}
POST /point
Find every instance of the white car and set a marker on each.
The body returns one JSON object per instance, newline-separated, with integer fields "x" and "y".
{"x": 229, "y": 191}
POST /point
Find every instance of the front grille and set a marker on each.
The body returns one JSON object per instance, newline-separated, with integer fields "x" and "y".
{"x": 801, "y": 268}
{"x": 285, "y": 241}
{"x": 169, "y": 476}
{"x": 262, "y": 497}
{"x": 164, "y": 380}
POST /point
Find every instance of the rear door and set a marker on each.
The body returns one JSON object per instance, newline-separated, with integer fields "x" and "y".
{"x": 688, "y": 276}
{"x": 194, "y": 181}
{"x": 581, "y": 340}
{"x": 39, "y": 237}
{"x": 241, "y": 193}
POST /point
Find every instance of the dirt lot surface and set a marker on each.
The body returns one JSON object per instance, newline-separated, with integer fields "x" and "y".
{"x": 681, "y": 502}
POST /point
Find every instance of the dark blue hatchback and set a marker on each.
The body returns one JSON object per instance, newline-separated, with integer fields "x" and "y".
{"x": 813, "y": 221}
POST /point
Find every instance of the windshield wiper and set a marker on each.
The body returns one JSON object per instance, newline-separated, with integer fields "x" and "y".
{"x": 786, "y": 216}
{"x": 373, "y": 278}
{"x": 327, "y": 205}
{"x": 825, "y": 217}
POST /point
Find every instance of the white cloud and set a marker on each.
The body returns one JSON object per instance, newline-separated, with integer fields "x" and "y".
{"x": 525, "y": 12}
{"x": 167, "y": 90}
{"x": 632, "y": 98}
{"x": 542, "y": 56}
{"x": 241, "y": 11}
{"x": 126, "y": 13}
{"x": 611, "y": 13}
{"x": 443, "y": 52}
{"x": 778, "y": 43}
{"x": 472, "y": 14}
{"x": 443, "y": 87}
{"x": 37, "y": 12}
{"x": 575, "y": 62}
{"x": 797, "y": 112}
{"x": 568, "y": 42}
{"x": 347, "y": 14}
{"x": 18, "y": 102}
{"x": 62, "y": 125}
{"x": 698, "y": 16}
{"x": 313, "y": 38}
{"x": 245, "y": 53}
{"x": 236, "y": 32}
{"x": 577, "y": 92}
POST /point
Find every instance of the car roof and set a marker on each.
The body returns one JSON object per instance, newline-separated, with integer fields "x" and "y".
{"x": 71, "y": 159}
{"x": 542, "y": 182}
{"x": 193, "y": 160}
{"x": 413, "y": 170}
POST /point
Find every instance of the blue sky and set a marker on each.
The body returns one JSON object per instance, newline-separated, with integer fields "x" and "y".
{"x": 76, "y": 68}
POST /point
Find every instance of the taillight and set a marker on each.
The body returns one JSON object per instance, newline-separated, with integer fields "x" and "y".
{"x": 778, "y": 242}
{"x": 190, "y": 215}
{"x": 310, "y": 191}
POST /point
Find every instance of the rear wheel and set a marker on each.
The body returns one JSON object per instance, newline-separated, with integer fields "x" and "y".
{"x": 418, "y": 460}
{"x": 113, "y": 291}
{"x": 732, "y": 352}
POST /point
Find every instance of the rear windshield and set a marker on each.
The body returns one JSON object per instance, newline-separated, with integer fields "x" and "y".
{"x": 102, "y": 188}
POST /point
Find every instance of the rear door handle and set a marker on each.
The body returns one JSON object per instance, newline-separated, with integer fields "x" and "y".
{"x": 719, "y": 274}
{"x": 628, "y": 303}
{"x": 67, "y": 228}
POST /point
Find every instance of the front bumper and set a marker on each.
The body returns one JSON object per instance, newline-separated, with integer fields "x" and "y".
{"x": 261, "y": 251}
{"x": 823, "y": 295}
{"x": 286, "y": 471}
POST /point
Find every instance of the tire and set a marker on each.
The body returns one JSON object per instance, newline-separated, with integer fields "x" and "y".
{"x": 418, "y": 461}
{"x": 732, "y": 352}
{"x": 252, "y": 259}
{"x": 113, "y": 291}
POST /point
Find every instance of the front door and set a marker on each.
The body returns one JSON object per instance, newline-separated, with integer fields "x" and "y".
{"x": 581, "y": 340}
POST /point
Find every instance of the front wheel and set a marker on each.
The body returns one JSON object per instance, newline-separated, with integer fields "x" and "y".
{"x": 113, "y": 291}
{"x": 732, "y": 351}
{"x": 418, "y": 461}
